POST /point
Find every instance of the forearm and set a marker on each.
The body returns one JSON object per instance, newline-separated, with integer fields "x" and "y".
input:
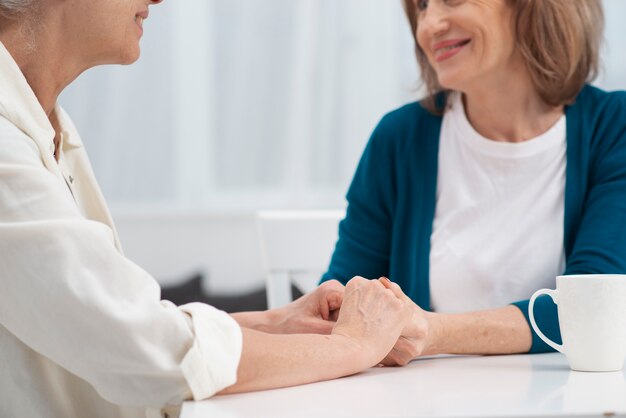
{"x": 496, "y": 331}
{"x": 271, "y": 361}
{"x": 258, "y": 320}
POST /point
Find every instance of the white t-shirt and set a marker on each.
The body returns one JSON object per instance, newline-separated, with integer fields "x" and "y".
{"x": 498, "y": 228}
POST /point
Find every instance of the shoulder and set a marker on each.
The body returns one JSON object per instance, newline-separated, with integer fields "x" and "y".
{"x": 596, "y": 121}
{"x": 15, "y": 145}
{"x": 402, "y": 119}
{"x": 591, "y": 95}
{"x": 406, "y": 126}
{"x": 597, "y": 130}
{"x": 598, "y": 108}
{"x": 8, "y": 129}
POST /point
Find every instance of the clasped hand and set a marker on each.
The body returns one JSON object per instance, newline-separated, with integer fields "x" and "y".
{"x": 313, "y": 313}
{"x": 317, "y": 312}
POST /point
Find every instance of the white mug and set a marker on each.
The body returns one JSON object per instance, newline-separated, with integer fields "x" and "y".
{"x": 592, "y": 320}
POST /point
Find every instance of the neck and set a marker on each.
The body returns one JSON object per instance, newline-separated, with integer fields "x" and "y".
{"x": 509, "y": 109}
{"x": 48, "y": 69}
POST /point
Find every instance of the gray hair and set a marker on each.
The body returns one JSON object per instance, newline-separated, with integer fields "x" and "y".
{"x": 24, "y": 12}
{"x": 13, "y": 8}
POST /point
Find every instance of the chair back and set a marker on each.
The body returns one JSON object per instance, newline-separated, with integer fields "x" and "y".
{"x": 296, "y": 247}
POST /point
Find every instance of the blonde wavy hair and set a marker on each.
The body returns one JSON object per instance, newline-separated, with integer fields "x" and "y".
{"x": 560, "y": 41}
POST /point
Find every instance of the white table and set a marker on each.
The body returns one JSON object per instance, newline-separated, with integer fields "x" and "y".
{"x": 498, "y": 386}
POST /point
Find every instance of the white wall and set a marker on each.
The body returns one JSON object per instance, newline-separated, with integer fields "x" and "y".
{"x": 613, "y": 76}
{"x": 172, "y": 243}
{"x": 234, "y": 106}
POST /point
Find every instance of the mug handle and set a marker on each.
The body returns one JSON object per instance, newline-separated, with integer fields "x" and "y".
{"x": 531, "y": 305}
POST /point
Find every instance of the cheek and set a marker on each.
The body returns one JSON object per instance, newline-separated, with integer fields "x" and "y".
{"x": 421, "y": 39}
{"x": 501, "y": 42}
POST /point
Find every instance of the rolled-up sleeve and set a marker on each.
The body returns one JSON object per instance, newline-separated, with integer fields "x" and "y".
{"x": 70, "y": 295}
{"x": 205, "y": 378}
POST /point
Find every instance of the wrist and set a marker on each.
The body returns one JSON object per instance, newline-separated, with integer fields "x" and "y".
{"x": 357, "y": 356}
{"x": 271, "y": 321}
{"x": 435, "y": 337}
{"x": 264, "y": 321}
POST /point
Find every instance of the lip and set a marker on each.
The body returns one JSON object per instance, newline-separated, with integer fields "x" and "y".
{"x": 143, "y": 15}
{"x": 441, "y": 56}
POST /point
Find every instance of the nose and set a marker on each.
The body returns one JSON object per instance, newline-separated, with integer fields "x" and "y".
{"x": 434, "y": 20}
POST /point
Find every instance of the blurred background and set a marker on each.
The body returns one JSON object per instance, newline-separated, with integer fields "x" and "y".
{"x": 242, "y": 105}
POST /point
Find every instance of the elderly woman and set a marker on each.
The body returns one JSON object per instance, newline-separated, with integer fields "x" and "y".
{"x": 512, "y": 171}
{"x": 83, "y": 332}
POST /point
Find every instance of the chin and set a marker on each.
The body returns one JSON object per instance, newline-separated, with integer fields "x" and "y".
{"x": 449, "y": 81}
{"x": 130, "y": 56}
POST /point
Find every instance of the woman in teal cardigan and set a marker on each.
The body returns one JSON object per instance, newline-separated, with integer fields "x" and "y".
{"x": 512, "y": 171}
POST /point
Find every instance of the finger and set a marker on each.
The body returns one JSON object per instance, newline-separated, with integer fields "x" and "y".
{"x": 334, "y": 315}
{"x": 323, "y": 308}
{"x": 403, "y": 359}
{"x": 388, "y": 362}
{"x": 399, "y": 357}
{"x": 392, "y": 359}
{"x": 334, "y": 300}
{"x": 334, "y": 285}
{"x": 397, "y": 290}
{"x": 403, "y": 346}
{"x": 329, "y": 301}
{"x": 355, "y": 281}
{"x": 385, "y": 281}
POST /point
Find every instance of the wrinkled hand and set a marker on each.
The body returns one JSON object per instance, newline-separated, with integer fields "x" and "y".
{"x": 414, "y": 339}
{"x": 313, "y": 313}
{"x": 372, "y": 318}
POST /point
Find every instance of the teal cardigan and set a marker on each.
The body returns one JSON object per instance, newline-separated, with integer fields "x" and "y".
{"x": 391, "y": 201}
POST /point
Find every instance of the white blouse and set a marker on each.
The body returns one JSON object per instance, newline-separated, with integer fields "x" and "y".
{"x": 83, "y": 331}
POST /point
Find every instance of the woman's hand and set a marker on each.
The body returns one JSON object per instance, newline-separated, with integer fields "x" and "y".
{"x": 313, "y": 313}
{"x": 414, "y": 340}
{"x": 372, "y": 316}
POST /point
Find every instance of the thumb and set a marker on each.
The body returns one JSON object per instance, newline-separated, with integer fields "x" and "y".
{"x": 334, "y": 300}
{"x": 330, "y": 302}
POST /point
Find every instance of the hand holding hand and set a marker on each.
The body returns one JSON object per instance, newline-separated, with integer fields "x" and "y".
{"x": 313, "y": 313}
{"x": 414, "y": 339}
{"x": 372, "y": 317}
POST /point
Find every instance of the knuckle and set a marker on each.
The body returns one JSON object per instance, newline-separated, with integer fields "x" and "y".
{"x": 356, "y": 281}
{"x": 335, "y": 284}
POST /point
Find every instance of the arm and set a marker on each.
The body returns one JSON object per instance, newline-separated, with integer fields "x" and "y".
{"x": 257, "y": 320}
{"x": 596, "y": 244}
{"x": 495, "y": 331}
{"x": 314, "y": 312}
{"x": 595, "y": 215}
{"x": 272, "y": 361}
{"x": 364, "y": 247}
{"x": 71, "y": 296}
{"x": 364, "y": 242}
{"x": 370, "y": 320}
{"x": 100, "y": 317}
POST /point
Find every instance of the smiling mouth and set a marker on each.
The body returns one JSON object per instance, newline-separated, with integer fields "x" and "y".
{"x": 139, "y": 20}
{"x": 451, "y": 47}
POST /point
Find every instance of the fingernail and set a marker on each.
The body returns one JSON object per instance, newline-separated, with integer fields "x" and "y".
{"x": 385, "y": 280}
